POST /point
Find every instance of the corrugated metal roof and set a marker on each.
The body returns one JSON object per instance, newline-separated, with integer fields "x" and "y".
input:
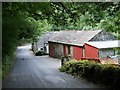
{"x": 73, "y": 37}
{"x": 105, "y": 44}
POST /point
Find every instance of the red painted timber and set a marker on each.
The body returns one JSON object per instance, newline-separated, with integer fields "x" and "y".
{"x": 77, "y": 52}
{"x": 64, "y": 50}
{"x": 52, "y": 50}
{"x": 90, "y": 51}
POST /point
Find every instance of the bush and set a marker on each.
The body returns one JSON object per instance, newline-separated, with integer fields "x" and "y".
{"x": 67, "y": 66}
{"x": 110, "y": 75}
{"x": 40, "y": 53}
{"x": 105, "y": 74}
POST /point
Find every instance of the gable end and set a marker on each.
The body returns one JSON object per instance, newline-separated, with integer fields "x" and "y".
{"x": 103, "y": 36}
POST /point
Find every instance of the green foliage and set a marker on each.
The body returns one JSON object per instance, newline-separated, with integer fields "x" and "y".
{"x": 7, "y": 64}
{"x": 29, "y": 20}
{"x": 40, "y": 53}
{"x": 28, "y": 28}
{"x": 105, "y": 74}
{"x": 24, "y": 41}
{"x": 87, "y": 16}
{"x": 43, "y": 26}
{"x": 0, "y": 74}
{"x": 67, "y": 66}
{"x": 18, "y": 23}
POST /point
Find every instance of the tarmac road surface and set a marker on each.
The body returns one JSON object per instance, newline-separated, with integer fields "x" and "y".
{"x": 32, "y": 71}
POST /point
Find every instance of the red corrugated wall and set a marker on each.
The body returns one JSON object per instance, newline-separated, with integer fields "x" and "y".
{"x": 51, "y": 50}
{"x": 77, "y": 52}
{"x": 90, "y": 51}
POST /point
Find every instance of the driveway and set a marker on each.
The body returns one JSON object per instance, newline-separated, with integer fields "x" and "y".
{"x": 32, "y": 71}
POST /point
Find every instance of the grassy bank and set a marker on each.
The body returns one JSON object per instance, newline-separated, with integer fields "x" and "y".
{"x": 108, "y": 75}
{"x": 7, "y": 65}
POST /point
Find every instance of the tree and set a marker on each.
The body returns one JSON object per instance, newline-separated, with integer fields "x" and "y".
{"x": 29, "y": 20}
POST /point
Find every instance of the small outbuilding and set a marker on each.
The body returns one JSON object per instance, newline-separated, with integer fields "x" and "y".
{"x": 64, "y": 43}
{"x": 42, "y": 43}
{"x": 101, "y": 49}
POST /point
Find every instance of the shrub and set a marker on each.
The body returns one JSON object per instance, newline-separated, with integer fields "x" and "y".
{"x": 67, "y": 65}
{"x": 40, "y": 53}
{"x": 105, "y": 74}
{"x": 110, "y": 75}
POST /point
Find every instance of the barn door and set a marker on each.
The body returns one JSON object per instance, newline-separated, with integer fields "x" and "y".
{"x": 52, "y": 51}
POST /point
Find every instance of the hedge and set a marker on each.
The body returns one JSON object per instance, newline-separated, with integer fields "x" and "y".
{"x": 105, "y": 74}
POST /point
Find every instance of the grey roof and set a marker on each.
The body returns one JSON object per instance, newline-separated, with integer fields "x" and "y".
{"x": 44, "y": 39}
{"x": 105, "y": 44}
{"x": 73, "y": 37}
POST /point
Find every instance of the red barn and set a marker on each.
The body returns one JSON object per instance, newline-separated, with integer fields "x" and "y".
{"x": 71, "y": 43}
{"x": 106, "y": 51}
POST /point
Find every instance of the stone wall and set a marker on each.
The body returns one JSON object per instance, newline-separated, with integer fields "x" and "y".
{"x": 103, "y": 53}
{"x": 57, "y": 50}
{"x": 103, "y": 36}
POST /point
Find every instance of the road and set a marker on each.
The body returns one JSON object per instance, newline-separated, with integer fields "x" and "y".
{"x": 32, "y": 71}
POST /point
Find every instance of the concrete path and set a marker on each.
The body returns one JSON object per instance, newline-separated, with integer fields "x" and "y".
{"x": 32, "y": 71}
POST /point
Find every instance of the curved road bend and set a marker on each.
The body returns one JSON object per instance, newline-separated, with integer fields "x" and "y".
{"x": 32, "y": 71}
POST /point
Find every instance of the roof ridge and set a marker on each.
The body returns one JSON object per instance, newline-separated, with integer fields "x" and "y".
{"x": 73, "y": 37}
